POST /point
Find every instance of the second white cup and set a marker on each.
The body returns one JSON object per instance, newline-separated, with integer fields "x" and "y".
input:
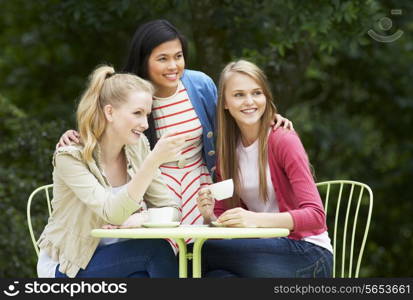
{"x": 222, "y": 190}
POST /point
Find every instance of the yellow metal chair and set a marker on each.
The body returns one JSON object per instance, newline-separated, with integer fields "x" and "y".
{"x": 350, "y": 230}
{"x": 46, "y": 189}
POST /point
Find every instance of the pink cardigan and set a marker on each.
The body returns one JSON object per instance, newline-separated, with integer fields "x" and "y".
{"x": 293, "y": 184}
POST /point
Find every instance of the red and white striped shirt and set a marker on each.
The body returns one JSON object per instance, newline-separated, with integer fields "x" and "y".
{"x": 176, "y": 113}
{"x": 184, "y": 177}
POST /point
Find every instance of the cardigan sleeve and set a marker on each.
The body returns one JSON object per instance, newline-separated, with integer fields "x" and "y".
{"x": 205, "y": 89}
{"x": 308, "y": 213}
{"x": 211, "y": 98}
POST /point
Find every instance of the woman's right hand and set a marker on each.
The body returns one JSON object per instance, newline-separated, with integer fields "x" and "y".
{"x": 206, "y": 203}
{"x": 169, "y": 147}
{"x": 68, "y": 137}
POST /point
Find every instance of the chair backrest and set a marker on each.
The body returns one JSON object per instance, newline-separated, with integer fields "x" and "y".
{"x": 46, "y": 189}
{"x": 351, "y": 229}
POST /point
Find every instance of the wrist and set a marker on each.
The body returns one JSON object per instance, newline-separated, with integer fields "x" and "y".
{"x": 153, "y": 160}
{"x": 209, "y": 219}
{"x": 256, "y": 220}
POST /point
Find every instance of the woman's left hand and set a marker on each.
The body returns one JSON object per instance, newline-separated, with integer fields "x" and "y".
{"x": 238, "y": 217}
{"x": 134, "y": 220}
{"x": 280, "y": 121}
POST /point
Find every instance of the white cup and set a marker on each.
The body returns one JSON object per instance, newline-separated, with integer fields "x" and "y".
{"x": 222, "y": 190}
{"x": 162, "y": 214}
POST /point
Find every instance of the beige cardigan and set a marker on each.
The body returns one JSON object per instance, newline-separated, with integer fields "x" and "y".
{"x": 82, "y": 201}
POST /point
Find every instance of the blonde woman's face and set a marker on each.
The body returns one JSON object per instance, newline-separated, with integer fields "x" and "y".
{"x": 130, "y": 119}
{"x": 165, "y": 67}
{"x": 245, "y": 100}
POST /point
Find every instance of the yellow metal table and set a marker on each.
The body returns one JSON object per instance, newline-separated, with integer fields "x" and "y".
{"x": 199, "y": 234}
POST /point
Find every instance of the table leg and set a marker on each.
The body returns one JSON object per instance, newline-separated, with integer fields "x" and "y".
{"x": 183, "y": 264}
{"x": 196, "y": 262}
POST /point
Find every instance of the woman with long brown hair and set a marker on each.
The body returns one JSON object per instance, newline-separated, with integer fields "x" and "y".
{"x": 273, "y": 183}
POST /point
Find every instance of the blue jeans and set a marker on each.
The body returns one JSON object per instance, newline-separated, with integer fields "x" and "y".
{"x": 131, "y": 258}
{"x": 275, "y": 257}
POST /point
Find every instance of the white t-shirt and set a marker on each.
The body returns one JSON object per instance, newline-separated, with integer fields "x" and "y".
{"x": 248, "y": 164}
{"x": 46, "y": 266}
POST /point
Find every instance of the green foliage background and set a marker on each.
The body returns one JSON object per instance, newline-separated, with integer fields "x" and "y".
{"x": 350, "y": 97}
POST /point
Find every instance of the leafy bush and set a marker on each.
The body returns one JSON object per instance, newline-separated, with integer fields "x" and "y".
{"x": 26, "y": 150}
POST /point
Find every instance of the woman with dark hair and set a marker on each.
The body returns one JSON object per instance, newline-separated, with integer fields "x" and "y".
{"x": 184, "y": 101}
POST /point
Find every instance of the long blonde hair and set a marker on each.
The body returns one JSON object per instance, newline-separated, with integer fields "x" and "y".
{"x": 104, "y": 87}
{"x": 229, "y": 133}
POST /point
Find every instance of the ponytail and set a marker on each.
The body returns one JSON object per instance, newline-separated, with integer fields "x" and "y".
{"x": 90, "y": 117}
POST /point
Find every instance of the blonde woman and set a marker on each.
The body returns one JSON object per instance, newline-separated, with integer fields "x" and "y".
{"x": 274, "y": 187}
{"x": 106, "y": 180}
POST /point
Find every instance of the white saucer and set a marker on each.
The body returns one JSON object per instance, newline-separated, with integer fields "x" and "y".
{"x": 161, "y": 225}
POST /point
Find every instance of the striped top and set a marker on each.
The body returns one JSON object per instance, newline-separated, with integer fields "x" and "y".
{"x": 176, "y": 113}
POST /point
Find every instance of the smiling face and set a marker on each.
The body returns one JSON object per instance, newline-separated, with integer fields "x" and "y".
{"x": 245, "y": 100}
{"x": 130, "y": 118}
{"x": 165, "y": 67}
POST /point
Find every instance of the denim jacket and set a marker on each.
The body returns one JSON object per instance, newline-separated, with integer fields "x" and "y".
{"x": 82, "y": 201}
{"x": 203, "y": 95}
